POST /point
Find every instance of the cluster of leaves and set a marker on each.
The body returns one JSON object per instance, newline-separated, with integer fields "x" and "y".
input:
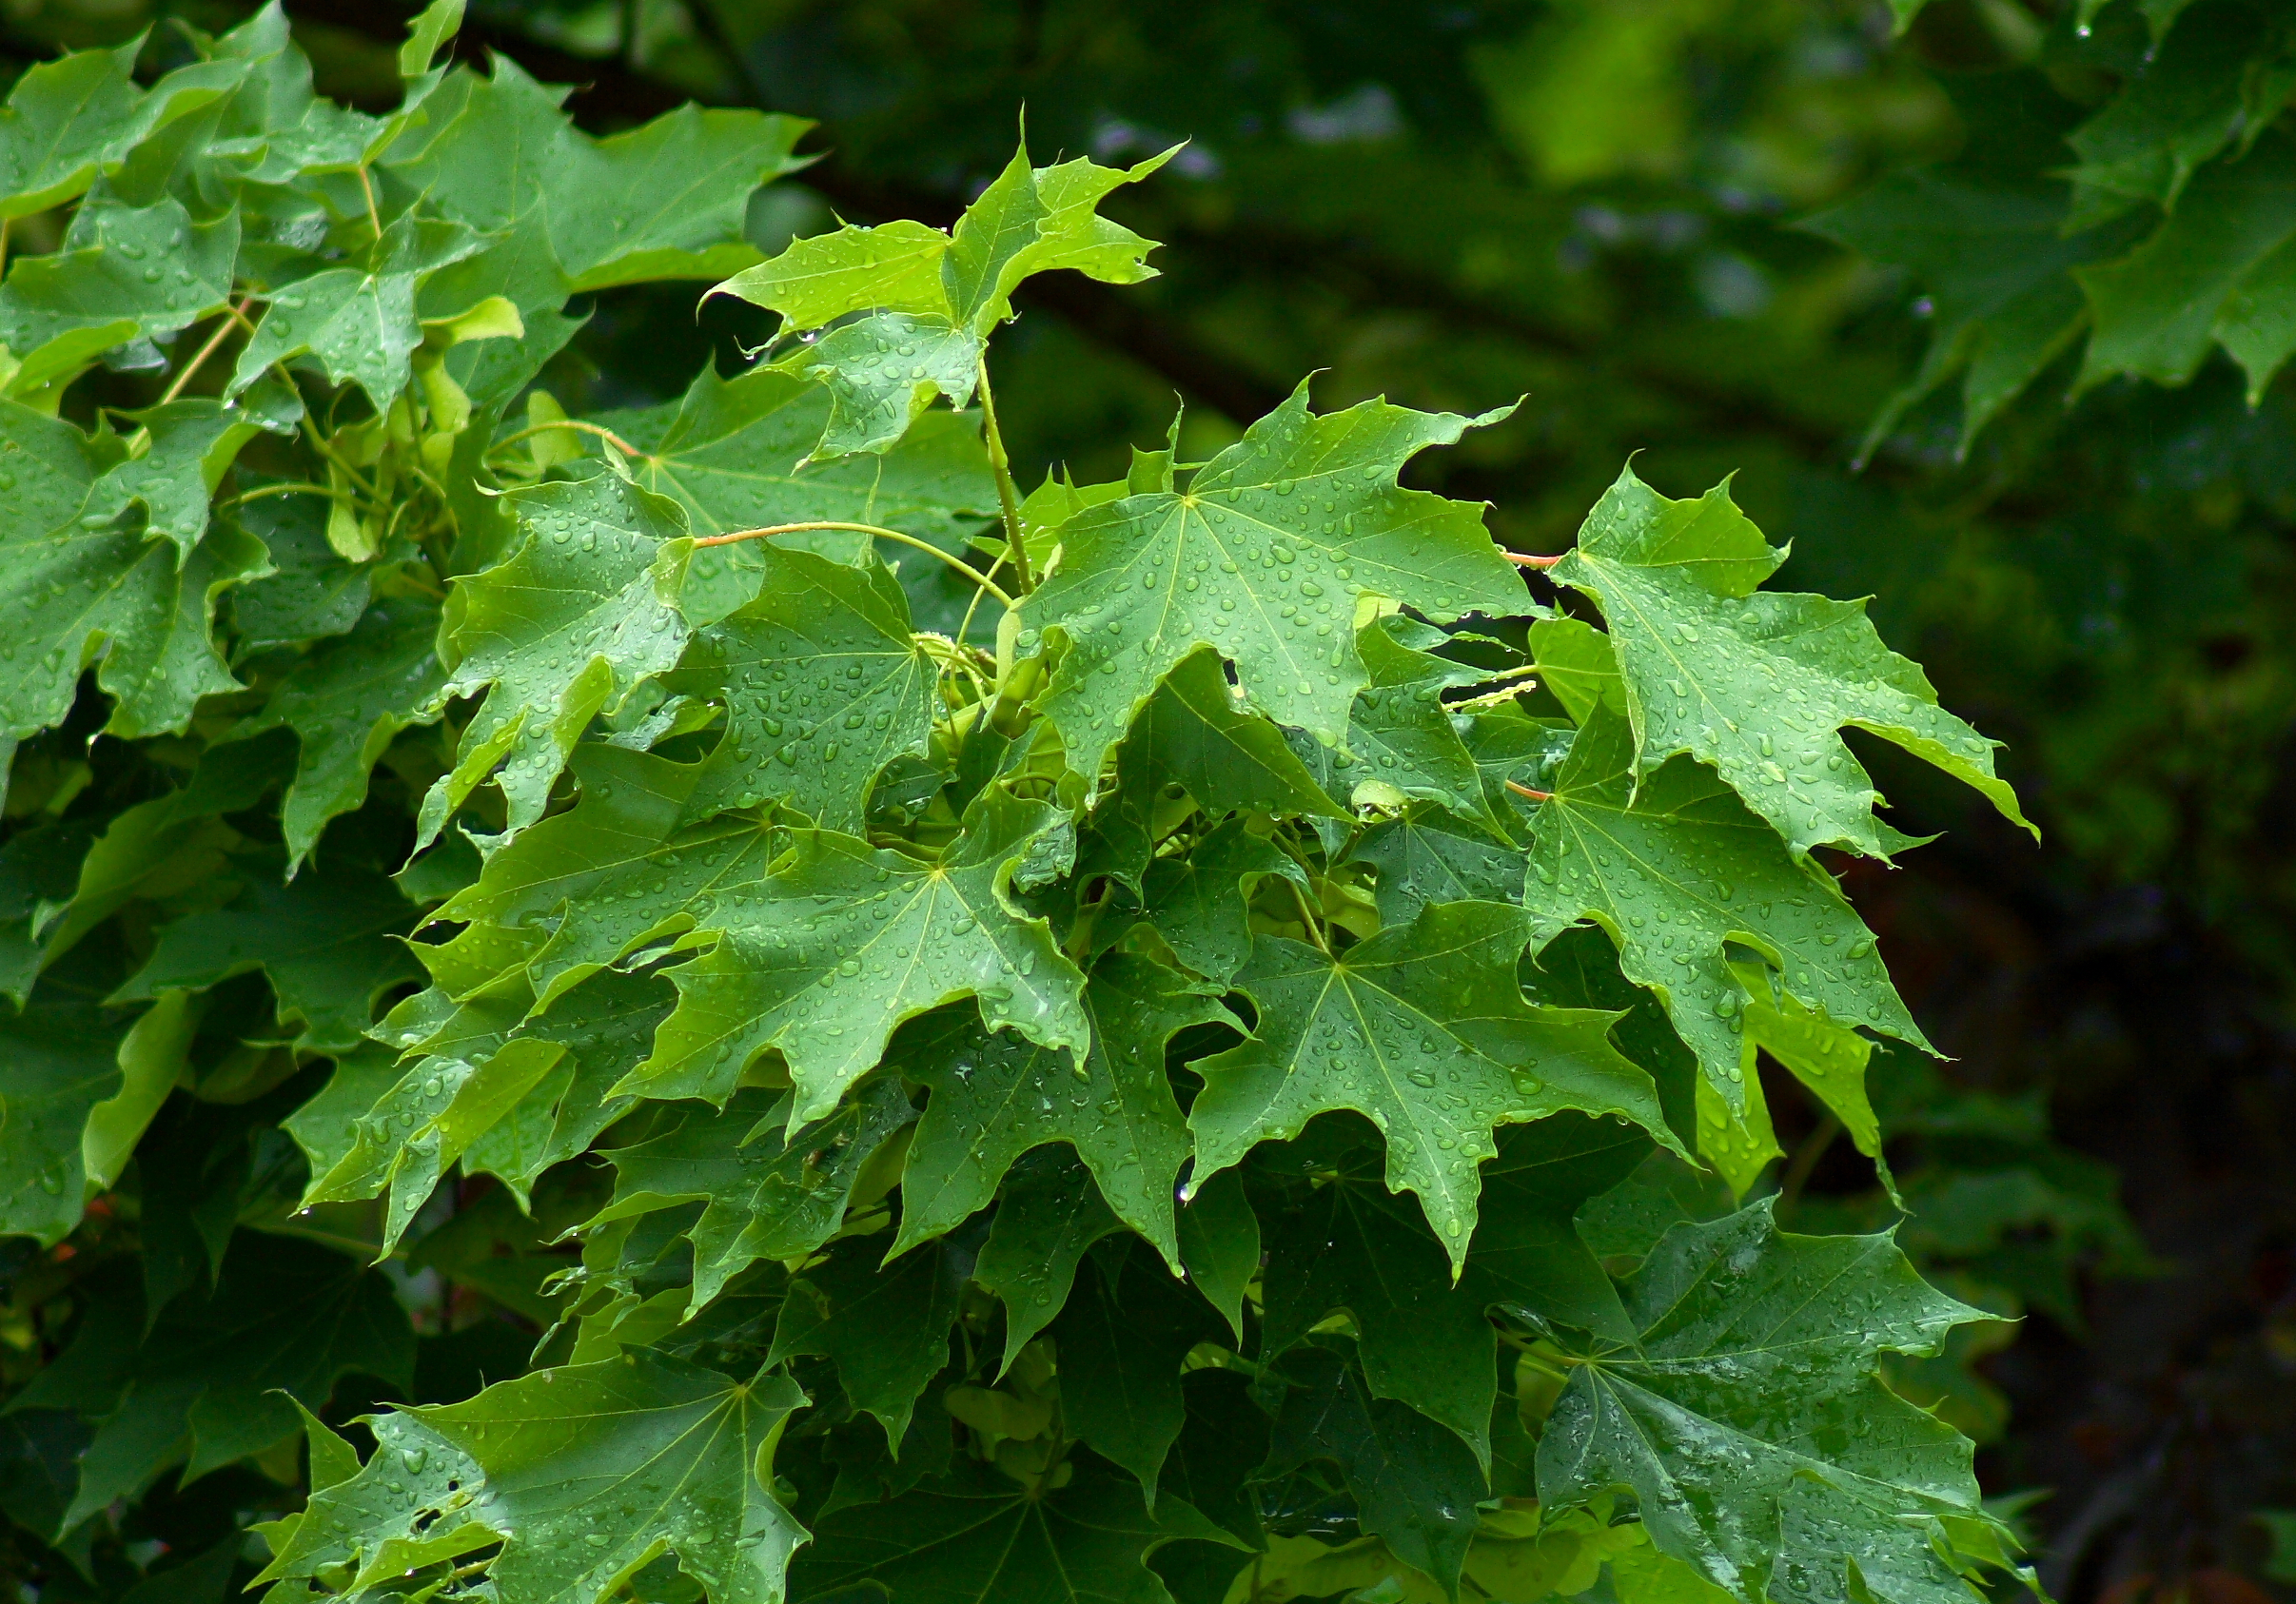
{"x": 1134, "y": 1107}
{"x": 2168, "y": 234}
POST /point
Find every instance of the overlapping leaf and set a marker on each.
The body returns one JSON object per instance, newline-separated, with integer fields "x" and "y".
{"x": 500, "y": 157}
{"x": 1751, "y": 1421}
{"x": 558, "y": 633}
{"x": 585, "y": 887}
{"x": 79, "y": 592}
{"x": 1261, "y": 558}
{"x": 346, "y": 702}
{"x": 823, "y": 686}
{"x": 584, "y": 1474}
{"x": 1676, "y": 875}
{"x": 1757, "y": 683}
{"x": 995, "y": 1095}
{"x": 837, "y": 909}
{"x": 1423, "y": 1030}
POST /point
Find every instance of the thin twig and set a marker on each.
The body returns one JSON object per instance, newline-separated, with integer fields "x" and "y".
{"x": 1523, "y": 559}
{"x": 607, "y": 435}
{"x": 1526, "y": 790}
{"x": 374, "y": 218}
{"x": 1007, "y": 492}
{"x": 295, "y": 489}
{"x": 958, "y": 563}
{"x": 1299, "y": 894}
{"x": 232, "y": 318}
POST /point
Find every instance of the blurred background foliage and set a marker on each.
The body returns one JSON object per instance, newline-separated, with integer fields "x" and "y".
{"x": 1637, "y": 215}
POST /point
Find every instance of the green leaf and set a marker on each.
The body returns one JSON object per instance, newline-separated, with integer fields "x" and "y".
{"x": 1261, "y": 558}
{"x": 161, "y": 849}
{"x": 1034, "y": 220}
{"x": 823, "y": 686}
{"x": 2184, "y": 104}
{"x": 503, "y": 159}
{"x": 274, "y": 128}
{"x": 152, "y": 1058}
{"x": 1047, "y": 1213}
{"x": 892, "y": 268}
{"x": 886, "y": 1330}
{"x": 64, "y": 118}
{"x": 1196, "y": 899}
{"x": 836, "y": 908}
{"x": 1828, "y": 1058}
{"x": 1350, "y": 1244}
{"x": 1757, "y": 683}
{"x": 687, "y": 1454}
{"x": 63, "y": 1062}
{"x": 1220, "y": 1244}
{"x": 1192, "y": 734}
{"x": 1678, "y": 874}
{"x": 1414, "y": 1483}
{"x": 434, "y": 25}
{"x": 1400, "y": 737}
{"x": 768, "y": 1193}
{"x": 556, "y": 634}
{"x": 1424, "y": 855}
{"x": 311, "y": 592}
{"x": 585, "y": 887}
{"x": 415, "y": 1125}
{"x": 125, "y": 273}
{"x": 1120, "y": 1340}
{"x": 1423, "y": 1029}
{"x": 1751, "y": 1421}
{"x": 606, "y": 1023}
{"x": 1994, "y": 262}
{"x": 733, "y": 452}
{"x": 346, "y": 702}
{"x": 90, "y": 593}
{"x": 996, "y": 1095}
{"x": 359, "y": 322}
{"x": 1028, "y": 221}
{"x": 1082, "y": 1539}
{"x": 1353, "y": 1244}
{"x": 329, "y": 941}
{"x": 882, "y": 372}
{"x": 2222, "y": 269}
{"x": 219, "y": 1378}
{"x": 181, "y": 451}
{"x": 1575, "y": 662}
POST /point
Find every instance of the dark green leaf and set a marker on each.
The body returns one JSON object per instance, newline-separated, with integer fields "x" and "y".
{"x": 1424, "y": 1030}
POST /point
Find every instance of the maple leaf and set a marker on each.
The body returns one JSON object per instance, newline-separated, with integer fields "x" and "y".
{"x": 556, "y": 633}
{"x": 925, "y": 933}
{"x": 996, "y": 1095}
{"x": 1757, "y": 683}
{"x": 1751, "y": 1420}
{"x": 1676, "y": 874}
{"x": 1423, "y": 1030}
{"x": 1261, "y": 558}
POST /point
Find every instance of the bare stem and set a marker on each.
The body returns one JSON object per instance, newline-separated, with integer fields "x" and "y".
{"x": 1307, "y": 916}
{"x": 263, "y": 490}
{"x": 956, "y": 562}
{"x": 1526, "y": 790}
{"x": 233, "y": 316}
{"x": 607, "y": 435}
{"x": 1007, "y": 492}
{"x": 374, "y": 218}
{"x": 1523, "y": 559}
